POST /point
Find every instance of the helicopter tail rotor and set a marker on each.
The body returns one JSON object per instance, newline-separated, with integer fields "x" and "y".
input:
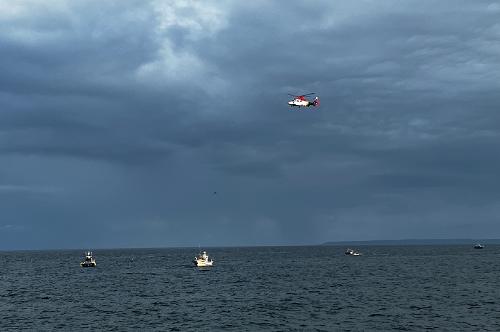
{"x": 316, "y": 101}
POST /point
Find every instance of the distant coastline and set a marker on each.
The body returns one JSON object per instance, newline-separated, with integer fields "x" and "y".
{"x": 413, "y": 242}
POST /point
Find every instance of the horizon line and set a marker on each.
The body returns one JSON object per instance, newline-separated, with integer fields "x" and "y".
{"x": 333, "y": 242}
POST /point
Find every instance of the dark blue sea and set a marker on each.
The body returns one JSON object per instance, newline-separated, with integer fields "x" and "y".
{"x": 317, "y": 288}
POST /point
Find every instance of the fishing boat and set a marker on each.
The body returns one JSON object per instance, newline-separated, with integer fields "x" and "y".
{"x": 478, "y": 246}
{"x": 203, "y": 260}
{"x": 351, "y": 252}
{"x": 89, "y": 260}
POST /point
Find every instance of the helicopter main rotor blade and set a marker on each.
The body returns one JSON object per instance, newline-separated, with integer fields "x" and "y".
{"x": 307, "y": 94}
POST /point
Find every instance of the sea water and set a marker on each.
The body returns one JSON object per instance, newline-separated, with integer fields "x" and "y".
{"x": 316, "y": 288}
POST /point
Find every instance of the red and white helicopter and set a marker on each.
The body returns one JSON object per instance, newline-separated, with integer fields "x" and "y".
{"x": 301, "y": 100}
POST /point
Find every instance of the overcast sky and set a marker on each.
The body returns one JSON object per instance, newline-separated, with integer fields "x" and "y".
{"x": 120, "y": 119}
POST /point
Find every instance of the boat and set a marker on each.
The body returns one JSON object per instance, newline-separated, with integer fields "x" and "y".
{"x": 89, "y": 260}
{"x": 478, "y": 246}
{"x": 351, "y": 252}
{"x": 202, "y": 260}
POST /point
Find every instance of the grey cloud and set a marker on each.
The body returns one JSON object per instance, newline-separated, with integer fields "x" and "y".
{"x": 140, "y": 110}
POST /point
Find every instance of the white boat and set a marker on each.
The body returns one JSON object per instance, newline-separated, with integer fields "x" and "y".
{"x": 89, "y": 260}
{"x": 351, "y": 252}
{"x": 203, "y": 260}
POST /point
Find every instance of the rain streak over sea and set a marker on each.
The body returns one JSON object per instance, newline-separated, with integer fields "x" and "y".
{"x": 317, "y": 288}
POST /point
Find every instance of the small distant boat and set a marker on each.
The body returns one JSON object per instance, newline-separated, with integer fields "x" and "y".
{"x": 478, "y": 246}
{"x": 351, "y": 252}
{"x": 203, "y": 260}
{"x": 89, "y": 260}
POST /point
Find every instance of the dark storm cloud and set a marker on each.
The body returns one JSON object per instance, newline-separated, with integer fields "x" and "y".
{"x": 137, "y": 111}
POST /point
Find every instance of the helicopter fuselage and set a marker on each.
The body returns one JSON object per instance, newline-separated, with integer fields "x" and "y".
{"x": 303, "y": 102}
{"x": 300, "y": 103}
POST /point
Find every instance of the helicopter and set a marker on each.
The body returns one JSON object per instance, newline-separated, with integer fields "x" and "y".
{"x": 301, "y": 100}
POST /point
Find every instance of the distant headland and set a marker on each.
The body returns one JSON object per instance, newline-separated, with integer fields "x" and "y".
{"x": 405, "y": 242}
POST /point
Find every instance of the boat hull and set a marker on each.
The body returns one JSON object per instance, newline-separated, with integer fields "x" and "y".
{"x": 88, "y": 264}
{"x": 203, "y": 264}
